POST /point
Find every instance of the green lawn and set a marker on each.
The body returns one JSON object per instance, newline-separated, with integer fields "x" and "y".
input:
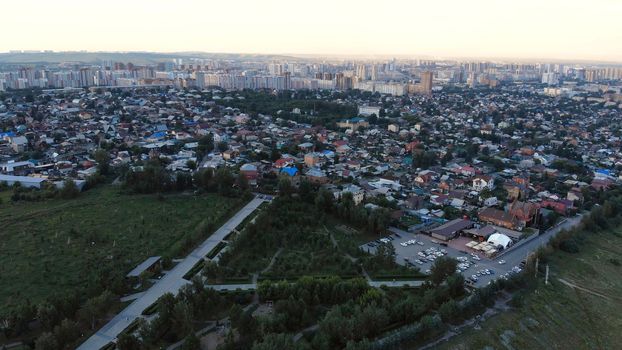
{"x": 557, "y": 316}
{"x": 50, "y": 247}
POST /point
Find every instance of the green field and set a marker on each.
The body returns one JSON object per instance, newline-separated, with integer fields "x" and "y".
{"x": 55, "y": 246}
{"x": 558, "y": 316}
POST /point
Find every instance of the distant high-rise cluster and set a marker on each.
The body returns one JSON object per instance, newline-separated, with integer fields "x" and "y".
{"x": 394, "y": 77}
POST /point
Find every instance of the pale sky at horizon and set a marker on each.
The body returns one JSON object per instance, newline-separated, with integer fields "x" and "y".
{"x": 570, "y": 29}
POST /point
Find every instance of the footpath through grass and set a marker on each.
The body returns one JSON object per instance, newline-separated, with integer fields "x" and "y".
{"x": 558, "y": 316}
{"x": 56, "y": 246}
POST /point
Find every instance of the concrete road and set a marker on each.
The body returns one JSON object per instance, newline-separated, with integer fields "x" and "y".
{"x": 170, "y": 283}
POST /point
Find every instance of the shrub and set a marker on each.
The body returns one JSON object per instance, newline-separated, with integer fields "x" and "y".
{"x": 69, "y": 190}
{"x": 518, "y": 300}
{"x": 569, "y": 246}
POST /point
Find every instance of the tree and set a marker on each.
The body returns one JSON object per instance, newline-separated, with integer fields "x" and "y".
{"x": 46, "y": 341}
{"x": 275, "y": 341}
{"x": 224, "y": 180}
{"x": 67, "y": 332}
{"x": 429, "y": 326}
{"x": 442, "y": 268}
{"x": 385, "y": 254}
{"x": 305, "y": 190}
{"x": 274, "y": 155}
{"x": 96, "y": 307}
{"x": 182, "y": 318}
{"x": 204, "y": 179}
{"x": 211, "y": 270}
{"x": 324, "y": 201}
{"x": 378, "y": 220}
{"x": 153, "y": 178}
{"x": 191, "y": 164}
{"x": 103, "y": 161}
{"x": 360, "y": 345}
{"x": 48, "y": 315}
{"x": 455, "y": 283}
{"x": 128, "y": 342}
{"x": 70, "y": 190}
{"x": 242, "y": 182}
{"x": 449, "y": 311}
{"x": 183, "y": 181}
{"x": 285, "y": 187}
{"x": 222, "y": 146}
{"x": 191, "y": 342}
{"x": 206, "y": 145}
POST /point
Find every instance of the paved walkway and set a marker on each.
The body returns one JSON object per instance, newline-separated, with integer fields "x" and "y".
{"x": 396, "y": 284}
{"x": 170, "y": 283}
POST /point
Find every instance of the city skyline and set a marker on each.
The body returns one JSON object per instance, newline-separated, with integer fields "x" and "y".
{"x": 484, "y": 28}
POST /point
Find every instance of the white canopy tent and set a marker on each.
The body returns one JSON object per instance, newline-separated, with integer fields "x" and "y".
{"x": 499, "y": 239}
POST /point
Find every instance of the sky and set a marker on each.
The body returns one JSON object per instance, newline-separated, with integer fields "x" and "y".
{"x": 563, "y": 29}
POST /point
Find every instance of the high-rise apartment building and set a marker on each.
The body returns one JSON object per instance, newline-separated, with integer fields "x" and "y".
{"x": 426, "y": 82}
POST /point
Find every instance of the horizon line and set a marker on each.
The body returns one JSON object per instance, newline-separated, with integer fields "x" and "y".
{"x": 327, "y": 55}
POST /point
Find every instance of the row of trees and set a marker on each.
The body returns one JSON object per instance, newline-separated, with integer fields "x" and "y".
{"x": 602, "y": 218}
{"x": 314, "y": 291}
{"x": 68, "y": 190}
{"x": 154, "y": 178}
{"x": 62, "y": 318}
{"x": 372, "y": 220}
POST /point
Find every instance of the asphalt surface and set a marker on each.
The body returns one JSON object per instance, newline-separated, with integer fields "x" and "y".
{"x": 512, "y": 257}
{"x": 170, "y": 283}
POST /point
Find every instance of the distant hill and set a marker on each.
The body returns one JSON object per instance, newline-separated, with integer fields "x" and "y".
{"x": 134, "y": 57}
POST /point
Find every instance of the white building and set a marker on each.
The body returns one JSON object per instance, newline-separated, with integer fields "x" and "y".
{"x": 24, "y": 181}
{"x": 369, "y": 110}
{"x": 393, "y": 128}
{"x": 550, "y": 78}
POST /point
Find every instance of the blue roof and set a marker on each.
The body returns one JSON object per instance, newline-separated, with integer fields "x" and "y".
{"x": 291, "y": 171}
{"x": 604, "y": 171}
{"x": 161, "y": 127}
{"x": 158, "y": 135}
{"x": 8, "y": 133}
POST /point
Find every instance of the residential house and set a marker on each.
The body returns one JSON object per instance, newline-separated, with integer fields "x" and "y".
{"x": 482, "y": 182}
{"x": 498, "y": 217}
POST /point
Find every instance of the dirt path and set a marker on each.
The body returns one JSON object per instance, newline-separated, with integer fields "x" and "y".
{"x": 589, "y": 291}
{"x": 300, "y": 334}
{"x": 273, "y": 260}
{"x": 336, "y": 245}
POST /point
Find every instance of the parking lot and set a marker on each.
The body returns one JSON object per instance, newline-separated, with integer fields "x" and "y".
{"x": 419, "y": 250}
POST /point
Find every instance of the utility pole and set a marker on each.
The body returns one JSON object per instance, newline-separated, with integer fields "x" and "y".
{"x": 536, "y": 269}
{"x": 546, "y": 276}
